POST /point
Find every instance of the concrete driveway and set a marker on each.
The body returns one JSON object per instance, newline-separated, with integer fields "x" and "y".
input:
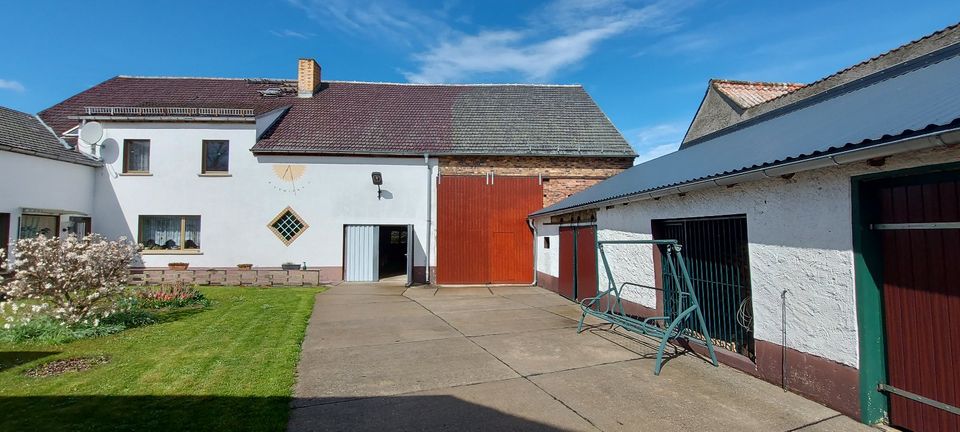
{"x": 383, "y": 357}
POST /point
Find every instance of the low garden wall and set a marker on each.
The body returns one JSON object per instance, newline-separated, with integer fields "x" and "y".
{"x": 227, "y": 276}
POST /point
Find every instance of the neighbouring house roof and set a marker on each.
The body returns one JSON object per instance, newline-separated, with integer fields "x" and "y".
{"x": 747, "y": 94}
{"x": 382, "y": 118}
{"x": 24, "y": 133}
{"x": 917, "y": 96}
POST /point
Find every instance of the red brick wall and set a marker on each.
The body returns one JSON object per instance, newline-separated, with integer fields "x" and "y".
{"x": 563, "y": 176}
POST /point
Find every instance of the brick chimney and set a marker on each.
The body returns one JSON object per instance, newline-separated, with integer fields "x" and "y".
{"x": 308, "y": 78}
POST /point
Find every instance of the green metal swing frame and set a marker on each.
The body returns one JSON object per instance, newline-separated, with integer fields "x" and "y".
{"x": 608, "y": 305}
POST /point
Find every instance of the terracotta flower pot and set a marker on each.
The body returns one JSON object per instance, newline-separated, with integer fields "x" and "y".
{"x": 244, "y": 266}
{"x": 178, "y": 266}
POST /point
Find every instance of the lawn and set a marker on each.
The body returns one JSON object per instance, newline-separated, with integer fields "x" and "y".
{"x": 226, "y": 367}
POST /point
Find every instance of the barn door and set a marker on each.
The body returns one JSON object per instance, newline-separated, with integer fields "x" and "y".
{"x": 568, "y": 263}
{"x": 919, "y": 228}
{"x": 482, "y": 231}
{"x": 586, "y": 262}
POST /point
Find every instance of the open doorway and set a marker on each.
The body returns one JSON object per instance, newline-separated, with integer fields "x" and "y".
{"x": 393, "y": 252}
{"x": 378, "y": 253}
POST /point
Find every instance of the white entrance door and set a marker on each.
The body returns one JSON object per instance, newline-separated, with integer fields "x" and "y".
{"x": 361, "y": 253}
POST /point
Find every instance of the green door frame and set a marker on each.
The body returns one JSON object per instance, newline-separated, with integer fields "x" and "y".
{"x": 868, "y": 272}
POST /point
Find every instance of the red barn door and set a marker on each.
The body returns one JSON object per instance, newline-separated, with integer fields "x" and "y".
{"x": 919, "y": 228}
{"x": 482, "y": 231}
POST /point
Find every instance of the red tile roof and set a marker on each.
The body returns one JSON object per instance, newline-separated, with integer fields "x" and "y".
{"x": 383, "y": 118}
{"x": 747, "y": 94}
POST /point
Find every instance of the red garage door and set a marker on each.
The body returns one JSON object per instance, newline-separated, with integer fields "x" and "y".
{"x": 920, "y": 229}
{"x": 578, "y": 262}
{"x": 482, "y": 231}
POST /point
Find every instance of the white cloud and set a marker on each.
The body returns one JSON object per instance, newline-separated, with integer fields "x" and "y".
{"x": 654, "y": 141}
{"x": 287, "y": 33}
{"x": 11, "y": 85}
{"x": 560, "y": 36}
{"x": 387, "y": 21}
{"x": 446, "y": 47}
{"x": 655, "y": 152}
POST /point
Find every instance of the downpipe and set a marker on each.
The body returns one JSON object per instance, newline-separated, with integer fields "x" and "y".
{"x": 429, "y": 233}
{"x": 536, "y": 256}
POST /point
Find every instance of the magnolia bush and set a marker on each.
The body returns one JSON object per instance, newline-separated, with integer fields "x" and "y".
{"x": 70, "y": 280}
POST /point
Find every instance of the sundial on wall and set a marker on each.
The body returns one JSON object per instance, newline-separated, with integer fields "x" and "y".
{"x": 289, "y": 178}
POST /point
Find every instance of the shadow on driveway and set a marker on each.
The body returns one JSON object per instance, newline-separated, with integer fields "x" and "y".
{"x": 219, "y": 413}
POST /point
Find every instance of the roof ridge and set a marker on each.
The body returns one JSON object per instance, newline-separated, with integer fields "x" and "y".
{"x": 354, "y": 82}
{"x": 731, "y": 81}
{"x": 205, "y": 78}
{"x": 455, "y": 84}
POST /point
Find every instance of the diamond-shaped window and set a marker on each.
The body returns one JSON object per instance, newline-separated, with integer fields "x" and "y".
{"x": 287, "y": 226}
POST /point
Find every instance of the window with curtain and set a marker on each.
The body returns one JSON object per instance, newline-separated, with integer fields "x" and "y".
{"x": 159, "y": 233}
{"x": 36, "y": 225}
{"x": 136, "y": 156}
{"x": 216, "y": 156}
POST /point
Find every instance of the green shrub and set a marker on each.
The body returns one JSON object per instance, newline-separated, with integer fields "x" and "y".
{"x": 47, "y": 330}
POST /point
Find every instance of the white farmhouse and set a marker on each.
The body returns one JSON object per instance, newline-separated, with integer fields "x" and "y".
{"x": 347, "y": 180}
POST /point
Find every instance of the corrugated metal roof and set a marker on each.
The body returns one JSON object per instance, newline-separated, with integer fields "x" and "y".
{"x": 908, "y": 97}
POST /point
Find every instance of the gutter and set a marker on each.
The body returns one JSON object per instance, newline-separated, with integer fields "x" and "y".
{"x": 914, "y": 143}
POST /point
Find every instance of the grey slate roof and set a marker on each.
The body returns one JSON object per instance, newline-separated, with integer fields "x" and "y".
{"x": 456, "y": 119}
{"x": 919, "y": 95}
{"x": 24, "y": 133}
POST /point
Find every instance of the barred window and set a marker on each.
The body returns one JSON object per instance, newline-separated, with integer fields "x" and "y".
{"x": 287, "y": 226}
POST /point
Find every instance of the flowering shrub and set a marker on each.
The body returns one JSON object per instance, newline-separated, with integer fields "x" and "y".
{"x": 177, "y": 294}
{"x": 70, "y": 281}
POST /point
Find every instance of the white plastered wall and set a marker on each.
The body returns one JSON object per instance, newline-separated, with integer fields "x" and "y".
{"x": 800, "y": 241}
{"x": 548, "y": 259}
{"x": 35, "y": 182}
{"x": 235, "y": 210}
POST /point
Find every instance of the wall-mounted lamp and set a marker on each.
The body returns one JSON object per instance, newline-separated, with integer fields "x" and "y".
{"x": 377, "y": 180}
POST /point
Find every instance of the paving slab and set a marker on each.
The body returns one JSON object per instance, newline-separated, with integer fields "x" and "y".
{"x": 689, "y": 394}
{"x": 538, "y": 352}
{"x": 463, "y": 291}
{"x": 420, "y": 291}
{"x": 377, "y": 289}
{"x": 323, "y": 312}
{"x": 507, "y": 290}
{"x": 509, "y": 405}
{"x": 538, "y": 300}
{"x": 328, "y": 299}
{"x": 474, "y": 303}
{"x": 573, "y": 312}
{"x": 488, "y": 322}
{"x": 382, "y": 370}
{"x": 342, "y": 334}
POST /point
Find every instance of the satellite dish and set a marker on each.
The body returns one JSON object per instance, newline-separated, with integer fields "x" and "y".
{"x": 91, "y": 132}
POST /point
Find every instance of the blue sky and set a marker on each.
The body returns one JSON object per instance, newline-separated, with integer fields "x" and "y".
{"x": 645, "y": 62}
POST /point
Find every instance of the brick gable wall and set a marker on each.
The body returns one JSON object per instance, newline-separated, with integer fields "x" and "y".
{"x": 562, "y": 176}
